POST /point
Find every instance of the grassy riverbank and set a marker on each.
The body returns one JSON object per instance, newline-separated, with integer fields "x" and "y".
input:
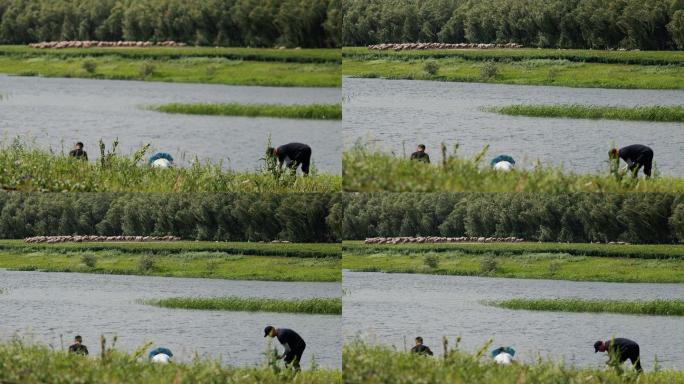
{"x": 22, "y": 363}
{"x": 204, "y": 260}
{"x": 373, "y": 171}
{"x": 521, "y": 262}
{"x": 570, "y": 68}
{"x": 32, "y": 169}
{"x": 321, "y": 306}
{"x": 379, "y": 364}
{"x": 636, "y": 307}
{"x": 311, "y": 111}
{"x": 576, "y": 111}
{"x": 230, "y": 66}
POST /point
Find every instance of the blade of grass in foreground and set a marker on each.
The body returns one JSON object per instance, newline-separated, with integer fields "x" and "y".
{"x": 325, "y": 306}
{"x": 674, "y": 113}
{"x": 310, "y": 111}
{"x": 639, "y": 307}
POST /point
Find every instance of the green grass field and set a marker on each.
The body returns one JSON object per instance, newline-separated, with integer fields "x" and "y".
{"x": 33, "y": 364}
{"x": 570, "y": 68}
{"x": 320, "y": 306}
{"x": 311, "y": 111}
{"x": 370, "y": 364}
{"x": 235, "y": 261}
{"x": 231, "y": 66}
{"x": 637, "y": 307}
{"x": 576, "y": 111}
{"x": 367, "y": 170}
{"x": 32, "y": 169}
{"x": 576, "y": 262}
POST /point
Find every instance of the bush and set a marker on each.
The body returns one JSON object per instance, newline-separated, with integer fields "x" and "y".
{"x": 431, "y": 261}
{"x": 488, "y": 71}
{"x": 147, "y": 69}
{"x": 89, "y": 66}
{"x": 431, "y": 67}
{"x": 147, "y": 263}
{"x": 488, "y": 265}
{"x": 89, "y": 260}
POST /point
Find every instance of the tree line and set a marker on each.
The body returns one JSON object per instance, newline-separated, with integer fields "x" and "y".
{"x": 596, "y": 24}
{"x": 255, "y": 23}
{"x": 213, "y": 217}
{"x": 578, "y": 217}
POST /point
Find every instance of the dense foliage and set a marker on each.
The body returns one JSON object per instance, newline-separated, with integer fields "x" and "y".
{"x": 220, "y": 217}
{"x": 633, "y": 24}
{"x": 256, "y": 23}
{"x": 578, "y": 217}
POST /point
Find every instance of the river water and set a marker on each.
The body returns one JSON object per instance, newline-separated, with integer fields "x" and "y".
{"x": 40, "y": 306}
{"x": 57, "y": 112}
{"x": 394, "y": 308}
{"x": 395, "y": 113}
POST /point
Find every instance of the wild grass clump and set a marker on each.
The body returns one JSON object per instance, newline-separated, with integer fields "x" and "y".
{"x": 89, "y": 66}
{"x": 431, "y": 67}
{"x": 370, "y": 364}
{"x": 311, "y": 111}
{"x": 323, "y": 306}
{"x": 89, "y": 260}
{"x": 146, "y": 264}
{"x": 674, "y": 113}
{"x": 33, "y": 363}
{"x": 431, "y": 261}
{"x": 30, "y": 169}
{"x": 368, "y": 170}
{"x": 638, "y": 307}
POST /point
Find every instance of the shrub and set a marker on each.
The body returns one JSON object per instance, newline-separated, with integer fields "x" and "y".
{"x": 89, "y": 260}
{"x": 146, "y": 263}
{"x": 431, "y": 261}
{"x": 147, "y": 69}
{"x": 431, "y": 67}
{"x": 89, "y": 66}
{"x": 488, "y": 71}
{"x": 488, "y": 265}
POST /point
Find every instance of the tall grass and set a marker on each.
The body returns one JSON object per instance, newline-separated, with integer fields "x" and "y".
{"x": 324, "y": 306}
{"x": 369, "y": 364}
{"x": 646, "y": 113}
{"x": 32, "y": 169}
{"x": 367, "y": 170}
{"x": 311, "y": 111}
{"x": 34, "y": 363}
{"x": 637, "y": 307}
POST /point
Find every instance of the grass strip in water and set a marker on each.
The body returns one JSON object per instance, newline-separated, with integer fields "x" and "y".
{"x": 372, "y": 364}
{"x": 367, "y": 170}
{"x": 312, "y": 111}
{"x": 636, "y": 307}
{"x": 323, "y": 306}
{"x": 35, "y": 363}
{"x": 645, "y": 113}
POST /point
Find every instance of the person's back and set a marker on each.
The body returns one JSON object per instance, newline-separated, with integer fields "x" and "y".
{"x": 78, "y": 347}
{"x": 503, "y": 358}
{"x": 624, "y": 347}
{"x": 78, "y": 152}
{"x": 420, "y": 154}
{"x": 422, "y": 350}
{"x": 291, "y": 338}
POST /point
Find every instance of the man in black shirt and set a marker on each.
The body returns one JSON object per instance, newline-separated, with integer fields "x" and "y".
{"x": 292, "y": 155}
{"x": 622, "y": 349}
{"x": 78, "y": 152}
{"x": 420, "y": 154}
{"x": 78, "y": 347}
{"x": 420, "y": 348}
{"x": 293, "y": 343}
{"x": 636, "y": 156}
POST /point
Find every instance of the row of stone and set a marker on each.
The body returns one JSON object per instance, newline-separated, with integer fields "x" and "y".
{"x": 103, "y": 44}
{"x": 95, "y": 238}
{"x": 440, "y": 239}
{"x": 408, "y": 46}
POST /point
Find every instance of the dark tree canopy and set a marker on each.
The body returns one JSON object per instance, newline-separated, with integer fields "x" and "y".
{"x": 599, "y": 24}
{"x": 255, "y": 23}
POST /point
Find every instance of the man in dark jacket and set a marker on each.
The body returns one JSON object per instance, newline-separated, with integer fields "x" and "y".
{"x": 636, "y": 156}
{"x": 621, "y": 349}
{"x": 78, "y": 347}
{"x": 293, "y": 343}
{"x": 292, "y": 155}
{"x": 420, "y": 154}
{"x": 421, "y": 349}
{"x": 78, "y": 152}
